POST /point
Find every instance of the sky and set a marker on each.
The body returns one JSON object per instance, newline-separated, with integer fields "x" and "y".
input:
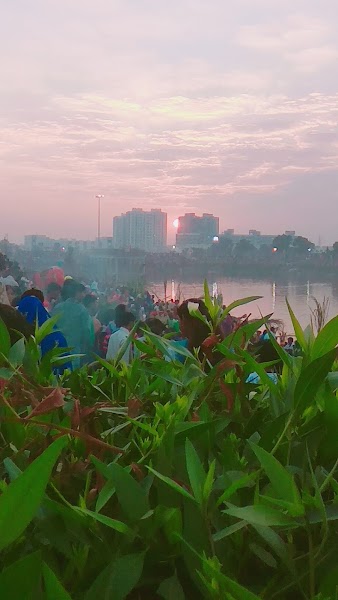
{"x": 189, "y": 106}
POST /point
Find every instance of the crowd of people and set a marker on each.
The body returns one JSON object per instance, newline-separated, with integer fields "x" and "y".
{"x": 87, "y": 324}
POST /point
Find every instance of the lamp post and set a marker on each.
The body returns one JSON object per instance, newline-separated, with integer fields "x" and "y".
{"x": 99, "y": 197}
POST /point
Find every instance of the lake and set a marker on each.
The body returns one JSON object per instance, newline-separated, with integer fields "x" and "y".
{"x": 300, "y": 295}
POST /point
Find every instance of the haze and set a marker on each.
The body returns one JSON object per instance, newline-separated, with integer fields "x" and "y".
{"x": 189, "y": 105}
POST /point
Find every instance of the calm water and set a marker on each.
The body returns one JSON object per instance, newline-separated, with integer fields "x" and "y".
{"x": 299, "y": 294}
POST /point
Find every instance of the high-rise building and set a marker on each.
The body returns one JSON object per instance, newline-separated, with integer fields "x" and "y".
{"x": 142, "y": 230}
{"x": 194, "y": 231}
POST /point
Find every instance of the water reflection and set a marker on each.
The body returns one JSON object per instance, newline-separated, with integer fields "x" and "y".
{"x": 299, "y": 294}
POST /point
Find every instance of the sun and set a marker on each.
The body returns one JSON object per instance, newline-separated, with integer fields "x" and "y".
{"x": 176, "y": 223}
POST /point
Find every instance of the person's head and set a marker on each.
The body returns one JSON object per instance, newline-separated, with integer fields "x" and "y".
{"x": 125, "y": 319}
{"x": 290, "y": 341}
{"x": 156, "y": 326}
{"x": 34, "y": 292}
{"x": 191, "y": 327}
{"x": 74, "y": 290}
{"x": 268, "y": 353}
{"x": 120, "y": 309}
{"x": 53, "y": 292}
{"x": 91, "y": 303}
{"x": 106, "y": 315}
{"x": 15, "y": 323}
{"x": 273, "y": 329}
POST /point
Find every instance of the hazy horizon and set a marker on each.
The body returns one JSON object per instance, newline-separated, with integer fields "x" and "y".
{"x": 188, "y": 107}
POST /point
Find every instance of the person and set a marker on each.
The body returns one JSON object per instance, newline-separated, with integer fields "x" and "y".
{"x": 125, "y": 323}
{"x": 289, "y": 346}
{"x": 91, "y": 303}
{"x": 74, "y": 321}
{"x": 32, "y": 309}
{"x": 9, "y": 288}
{"x": 196, "y": 331}
{"x": 52, "y": 296}
{"x": 16, "y": 323}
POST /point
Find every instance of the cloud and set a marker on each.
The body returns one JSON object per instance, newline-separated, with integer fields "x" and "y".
{"x": 187, "y": 106}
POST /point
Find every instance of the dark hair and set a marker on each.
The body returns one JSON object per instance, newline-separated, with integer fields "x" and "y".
{"x": 106, "y": 315}
{"x": 34, "y": 292}
{"x": 155, "y": 325}
{"x": 89, "y": 299}
{"x": 71, "y": 288}
{"x": 15, "y": 323}
{"x": 198, "y": 331}
{"x": 124, "y": 319}
{"x": 119, "y": 310}
{"x": 53, "y": 287}
{"x": 266, "y": 352}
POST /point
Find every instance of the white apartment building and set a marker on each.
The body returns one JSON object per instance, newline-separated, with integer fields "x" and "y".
{"x": 142, "y": 230}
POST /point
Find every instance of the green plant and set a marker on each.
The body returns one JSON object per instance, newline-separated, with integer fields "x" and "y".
{"x": 158, "y": 480}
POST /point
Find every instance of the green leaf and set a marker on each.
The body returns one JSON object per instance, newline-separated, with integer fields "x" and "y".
{"x": 112, "y": 523}
{"x": 17, "y": 353}
{"x": 45, "y": 329}
{"x": 310, "y": 380}
{"x": 263, "y": 555}
{"x": 6, "y": 373}
{"x": 171, "y": 589}
{"x": 260, "y": 515}
{"x": 297, "y": 328}
{"x": 238, "y": 484}
{"x": 5, "y": 340}
{"x": 240, "y": 302}
{"x": 105, "y": 494}
{"x": 174, "y": 486}
{"x": 207, "y": 298}
{"x": 229, "y": 530}
{"x": 195, "y": 471}
{"x": 132, "y": 497}
{"x": 118, "y": 579}
{"x": 281, "y": 480}
{"x": 21, "y": 580}
{"x": 54, "y": 590}
{"x": 11, "y": 468}
{"x": 16, "y": 514}
{"x": 208, "y": 484}
{"x": 326, "y": 340}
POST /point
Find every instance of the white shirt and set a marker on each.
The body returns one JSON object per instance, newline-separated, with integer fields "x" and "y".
{"x": 116, "y": 341}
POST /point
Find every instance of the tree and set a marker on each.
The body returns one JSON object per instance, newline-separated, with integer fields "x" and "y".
{"x": 282, "y": 242}
{"x": 245, "y": 248}
{"x": 335, "y": 248}
{"x": 302, "y": 245}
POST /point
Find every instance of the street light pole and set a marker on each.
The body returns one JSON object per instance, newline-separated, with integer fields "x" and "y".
{"x": 99, "y": 196}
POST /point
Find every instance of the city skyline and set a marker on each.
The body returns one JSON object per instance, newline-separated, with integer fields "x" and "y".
{"x": 188, "y": 108}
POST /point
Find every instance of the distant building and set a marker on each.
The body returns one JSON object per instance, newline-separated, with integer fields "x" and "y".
{"x": 254, "y": 236}
{"x": 196, "y": 232}
{"x": 141, "y": 230}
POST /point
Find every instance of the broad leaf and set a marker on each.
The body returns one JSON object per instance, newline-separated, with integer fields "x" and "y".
{"x": 118, "y": 579}
{"x": 171, "y": 483}
{"x": 195, "y": 471}
{"x": 171, "y": 589}
{"x": 112, "y": 523}
{"x": 21, "y": 580}
{"x": 16, "y": 514}
{"x": 311, "y": 378}
{"x": 5, "y": 340}
{"x": 326, "y": 340}
{"x": 132, "y": 497}
{"x": 260, "y": 515}
{"x": 54, "y": 590}
{"x": 281, "y": 480}
{"x": 297, "y": 328}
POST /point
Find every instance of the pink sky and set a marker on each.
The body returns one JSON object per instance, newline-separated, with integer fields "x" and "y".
{"x": 187, "y": 106}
